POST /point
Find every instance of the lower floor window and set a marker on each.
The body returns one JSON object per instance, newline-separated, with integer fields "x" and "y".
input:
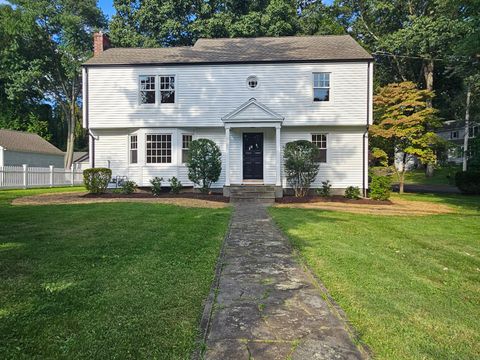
{"x": 186, "y": 140}
{"x": 133, "y": 149}
{"x": 159, "y": 149}
{"x": 320, "y": 140}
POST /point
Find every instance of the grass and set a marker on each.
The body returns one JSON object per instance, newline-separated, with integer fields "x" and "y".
{"x": 409, "y": 285}
{"x": 116, "y": 280}
{"x": 441, "y": 176}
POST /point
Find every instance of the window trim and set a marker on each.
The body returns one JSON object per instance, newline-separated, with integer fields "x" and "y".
{"x": 175, "y": 87}
{"x": 454, "y": 132}
{"x": 130, "y": 149}
{"x": 172, "y": 162}
{"x": 326, "y": 144}
{"x": 318, "y": 87}
{"x": 140, "y": 90}
{"x": 182, "y": 148}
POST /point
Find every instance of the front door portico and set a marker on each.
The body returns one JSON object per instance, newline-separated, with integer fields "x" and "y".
{"x": 250, "y": 156}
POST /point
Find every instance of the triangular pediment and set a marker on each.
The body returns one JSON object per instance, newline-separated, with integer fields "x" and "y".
{"x": 250, "y": 111}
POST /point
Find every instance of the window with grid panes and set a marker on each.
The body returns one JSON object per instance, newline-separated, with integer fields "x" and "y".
{"x": 320, "y": 140}
{"x": 321, "y": 86}
{"x": 186, "y": 140}
{"x": 167, "y": 89}
{"x": 147, "y": 89}
{"x": 159, "y": 149}
{"x": 133, "y": 149}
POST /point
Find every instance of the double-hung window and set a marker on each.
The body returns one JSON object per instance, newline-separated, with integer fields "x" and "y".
{"x": 321, "y": 86}
{"x": 454, "y": 135}
{"x": 159, "y": 149}
{"x": 167, "y": 89}
{"x": 186, "y": 140}
{"x": 320, "y": 141}
{"x": 147, "y": 89}
{"x": 133, "y": 149}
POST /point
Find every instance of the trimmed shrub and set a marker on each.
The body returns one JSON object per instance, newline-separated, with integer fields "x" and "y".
{"x": 326, "y": 189}
{"x": 204, "y": 163}
{"x": 156, "y": 185}
{"x": 175, "y": 185}
{"x": 96, "y": 180}
{"x": 352, "y": 192}
{"x": 468, "y": 182}
{"x": 380, "y": 188}
{"x": 128, "y": 187}
{"x": 301, "y": 166}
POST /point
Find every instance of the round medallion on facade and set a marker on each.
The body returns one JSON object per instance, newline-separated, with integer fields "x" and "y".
{"x": 252, "y": 82}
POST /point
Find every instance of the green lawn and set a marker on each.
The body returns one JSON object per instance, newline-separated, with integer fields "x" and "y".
{"x": 441, "y": 176}
{"x": 116, "y": 280}
{"x": 409, "y": 285}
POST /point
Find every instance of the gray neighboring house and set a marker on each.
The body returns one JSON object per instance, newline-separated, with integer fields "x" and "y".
{"x": 81, "y": 160}
{"x": 454, "y": 131}
{"x": 18, "y": 148}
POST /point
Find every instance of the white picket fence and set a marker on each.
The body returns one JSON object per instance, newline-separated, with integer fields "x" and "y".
{"x": 23, "y": 177}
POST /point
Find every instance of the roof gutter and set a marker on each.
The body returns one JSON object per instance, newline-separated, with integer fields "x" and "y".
{"x": 311, "y": 61}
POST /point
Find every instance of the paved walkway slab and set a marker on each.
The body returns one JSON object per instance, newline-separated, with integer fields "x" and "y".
{"x": 266, "y": 306}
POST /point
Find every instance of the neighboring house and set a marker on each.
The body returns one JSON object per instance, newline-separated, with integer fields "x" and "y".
{"x": 81, "y": 160}
{"x": 18, "y": 148}
{"x": 143, "y": 107}
{"x": 454, "y": 131}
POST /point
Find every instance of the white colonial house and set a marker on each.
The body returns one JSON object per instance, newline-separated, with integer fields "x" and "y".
{"x": 143, "y": 107}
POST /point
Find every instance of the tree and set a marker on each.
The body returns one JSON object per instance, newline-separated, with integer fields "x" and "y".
{"x": 301, "y": 165}
{"x": 204, "y": 163}
{"x": 403, "y": 118}
{"x": 66, "y": 28}
{"x": 20, "y": 100}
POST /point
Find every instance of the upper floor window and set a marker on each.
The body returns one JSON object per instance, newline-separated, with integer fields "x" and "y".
{"x": 454, "y": 135}
{"x": 321, "y": 86}
{"x": 147, "y": 89}
{"x": 133, "y": 149}
{"x": 159, "y": 149}
{"x": 186, "y": 140}
{"x": 320, "y": 140}
{"x": 167, "y": 89}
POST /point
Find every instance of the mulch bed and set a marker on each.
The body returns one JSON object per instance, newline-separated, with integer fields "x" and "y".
{"x": 147, "y": 195}
{"x": 329, "y": 199}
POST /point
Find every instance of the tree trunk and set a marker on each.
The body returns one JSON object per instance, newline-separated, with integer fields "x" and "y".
{"x": 401, "y": 181}
{"x": 428, "y": 68}
{"x": 71, "y": 121}
{"x": 467, "y": 126}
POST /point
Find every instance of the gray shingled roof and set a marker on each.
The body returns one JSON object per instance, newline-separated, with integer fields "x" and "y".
{"x": 239, "y": 50}
{"x": 26, "y": 142}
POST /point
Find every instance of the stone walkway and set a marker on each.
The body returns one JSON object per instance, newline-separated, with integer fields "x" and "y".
{"x": 267, "y": 307}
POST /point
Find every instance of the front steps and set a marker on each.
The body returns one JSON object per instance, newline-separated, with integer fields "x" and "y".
{"x": 261, "y": 193}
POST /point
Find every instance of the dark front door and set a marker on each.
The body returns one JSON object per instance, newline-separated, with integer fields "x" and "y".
{"x": 253, "y": 156}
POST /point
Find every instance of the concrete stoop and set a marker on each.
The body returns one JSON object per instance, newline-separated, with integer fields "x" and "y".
{"x": 257, "y": 193}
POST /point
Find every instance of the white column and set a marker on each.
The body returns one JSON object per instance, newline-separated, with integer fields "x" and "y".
{"x": 227, "y": 156}
{"x": 278, "y": 156}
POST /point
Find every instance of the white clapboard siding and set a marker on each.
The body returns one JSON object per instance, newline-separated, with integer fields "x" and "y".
{"x": 206, "y": 93}
{"x": 111, "y": 150}
{"x": 344, "y": 165}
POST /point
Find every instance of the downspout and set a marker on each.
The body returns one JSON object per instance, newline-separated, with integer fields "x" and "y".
{"x": 365, "y": 134}
{"x": 91, "y": 143}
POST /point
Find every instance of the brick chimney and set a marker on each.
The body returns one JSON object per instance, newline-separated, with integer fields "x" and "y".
{"x": 101, "y": 42}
